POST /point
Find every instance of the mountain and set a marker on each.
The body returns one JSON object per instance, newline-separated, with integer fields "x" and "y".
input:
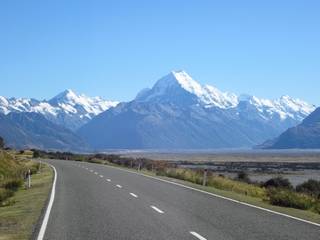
{"x": 179, "y": 113}
{"x": 304, "y": 136}
{"x": 67, "y": 108}
{"x": 32, "y": 130}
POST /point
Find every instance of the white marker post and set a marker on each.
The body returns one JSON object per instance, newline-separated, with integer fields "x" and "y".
{"x": 29, "y": 178}
{"x": 205, "y": 175}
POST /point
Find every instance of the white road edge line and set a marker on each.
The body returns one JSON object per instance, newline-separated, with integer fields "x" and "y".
{"x": 134, "y": 195}
{"x": 119, "y": 186}
{"x": 49, "y": 207}
{"x": 157, "y": 209}
{"x": 197, "y": 235}
{"x": 218, "y": 196}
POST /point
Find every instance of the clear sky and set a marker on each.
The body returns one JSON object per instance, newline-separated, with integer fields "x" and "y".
{"x": 115, "y": 48}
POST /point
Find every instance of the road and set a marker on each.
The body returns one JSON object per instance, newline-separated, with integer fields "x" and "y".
{"x": 97, "y": 202}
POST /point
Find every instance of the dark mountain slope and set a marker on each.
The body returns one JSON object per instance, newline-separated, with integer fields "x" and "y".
{"x": 32, "y": 130}
{"x": 304, "y": 136}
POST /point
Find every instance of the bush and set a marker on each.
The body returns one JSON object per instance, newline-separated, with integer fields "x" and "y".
{"x": 34, "y": 168}
{"x": 36, "y": 154}
{"x": 286, "y": 198}
{"x": 224, "y": 183}
{"x": 317, "y": 207}
{"x": 310, "y": 187}
{"x": 13, "y": 184}
{"x": 243, "y": 177}
{"x": 278, "y": 182}
{"x": 185, "y": 174}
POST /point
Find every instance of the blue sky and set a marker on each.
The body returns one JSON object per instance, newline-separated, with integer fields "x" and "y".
{"x": 115, "y": 48}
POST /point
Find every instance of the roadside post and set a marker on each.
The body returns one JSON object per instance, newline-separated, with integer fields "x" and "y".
{"x": 205, "y": 176}
{"x": 29, "y": 178}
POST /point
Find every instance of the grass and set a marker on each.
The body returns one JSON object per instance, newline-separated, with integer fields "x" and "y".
{"x": 18, "y": 220}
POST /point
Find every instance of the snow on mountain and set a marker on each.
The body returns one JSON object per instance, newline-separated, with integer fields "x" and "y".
{"x": 82, "y": 105}
{"x": 171, "y": 85}
{"x": 67, "y": 108}
{"x": 168, "y": 87}
{"x": 285, "y": 107}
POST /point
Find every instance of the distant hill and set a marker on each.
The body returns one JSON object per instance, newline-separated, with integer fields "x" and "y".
{"x": 32, "y": 130}
{"x": 179, "y": 113}
{"x": 304, "y": 136}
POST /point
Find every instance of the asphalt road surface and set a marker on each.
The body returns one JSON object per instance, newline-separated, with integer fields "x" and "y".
{"x": 98, "y": 202}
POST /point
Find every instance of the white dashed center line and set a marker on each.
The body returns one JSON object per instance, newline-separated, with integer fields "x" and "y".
{"x": 119, "y": 186}
{"x": 109, "y": 180}
{"x": 101, "y": 176}
{"x": 197, "y": 235}
{"x": 95, "y": 173}
{"x": 157, "y": 209}
{"x": 91, "y": 170}
{"x": 134, "y": 195}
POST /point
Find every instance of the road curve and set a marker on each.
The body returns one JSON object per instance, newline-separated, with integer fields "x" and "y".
{"x": 97, "y": 202}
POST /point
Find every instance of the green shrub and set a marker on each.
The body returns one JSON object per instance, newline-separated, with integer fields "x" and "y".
{"x": 316, "y": 207}
{"x": 13, "y": 184}
{"x": 310, "y": 187}
{"x": 36, "y": 154}
{"x": 185, "y": 174}
{"x": 34, "y": 168}
{"x": 278, "y": 182}
{"x": 286, "y": 198}
{"x": 224, "y": 183}
{"x": 243, "y": 177}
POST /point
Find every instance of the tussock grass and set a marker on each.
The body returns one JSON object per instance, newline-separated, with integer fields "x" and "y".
{"x": 219, "y": 182}
{"x": 18, "y": 219}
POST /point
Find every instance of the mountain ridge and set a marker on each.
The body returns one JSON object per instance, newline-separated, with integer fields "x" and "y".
{"x": 67, "y": 108}
{"x": 177, "y": 112}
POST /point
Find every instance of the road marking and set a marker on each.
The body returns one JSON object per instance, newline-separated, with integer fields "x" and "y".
{"x": 109, "y": 180}
{"x": 47, "y": 214}
{"x": 197, "y": 235}
{"x": 218, "y": 196}
{"x": 86, "y": 168}
{"x": 119, "y": 186}
{"x": 157, "y": 209}
{"x": 134, "y": 195}
{"x": 91, "y": 170}
{"x": 95, "y": 173}
{"x": 101, "y": 176}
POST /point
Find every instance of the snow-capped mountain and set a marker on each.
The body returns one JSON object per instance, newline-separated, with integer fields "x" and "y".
{"x": 178, "y": 112}
{"x": 178, "y": 84}
{"x": 67, "y": 108}
{"x": 171, "y": 88}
